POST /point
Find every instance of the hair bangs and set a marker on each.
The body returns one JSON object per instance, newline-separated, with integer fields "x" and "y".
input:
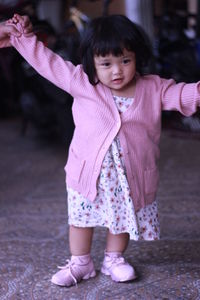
{"x": 108, "y": 46}
{"x": 109, "y": 41}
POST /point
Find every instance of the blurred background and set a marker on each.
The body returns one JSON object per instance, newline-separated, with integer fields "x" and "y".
{"x": 173, "y": 27}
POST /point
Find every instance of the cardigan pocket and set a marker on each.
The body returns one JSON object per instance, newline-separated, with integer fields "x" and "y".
{"x": 151, "y": 178}
{"x": 74, "y": 166}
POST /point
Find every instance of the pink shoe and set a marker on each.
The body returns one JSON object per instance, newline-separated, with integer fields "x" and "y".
{"x": 76, "y": 269}
{"x": 114, "y": 265}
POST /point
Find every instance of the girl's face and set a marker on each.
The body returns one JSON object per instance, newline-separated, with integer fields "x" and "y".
{"x": 117, "y": 72}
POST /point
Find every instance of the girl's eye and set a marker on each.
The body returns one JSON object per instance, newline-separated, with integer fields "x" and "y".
{"x": 106, "y": 64}
{"x": 126, "y": 61}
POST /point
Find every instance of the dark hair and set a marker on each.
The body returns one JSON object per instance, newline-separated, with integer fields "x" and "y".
{"x": 111, "y": 34}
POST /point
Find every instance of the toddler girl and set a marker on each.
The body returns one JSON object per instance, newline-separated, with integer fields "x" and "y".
{"x": 112, "y": 167}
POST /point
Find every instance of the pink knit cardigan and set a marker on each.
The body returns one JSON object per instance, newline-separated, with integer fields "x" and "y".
{"x": 97, "y": 121}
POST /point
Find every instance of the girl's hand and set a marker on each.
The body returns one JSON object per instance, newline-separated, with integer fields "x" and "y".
{"x": 24, "y": 21}
{"x": 5, "y": 32}
{"x": 9, "y": 28}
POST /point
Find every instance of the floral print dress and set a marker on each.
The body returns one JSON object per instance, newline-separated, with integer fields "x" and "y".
{"x": 113, "y": 207}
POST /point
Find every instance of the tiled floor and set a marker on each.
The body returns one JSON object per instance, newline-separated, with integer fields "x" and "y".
{"x": 33, "y": 225}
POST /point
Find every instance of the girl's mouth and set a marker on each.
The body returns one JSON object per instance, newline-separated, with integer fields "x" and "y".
{"x": 117, "y": 80}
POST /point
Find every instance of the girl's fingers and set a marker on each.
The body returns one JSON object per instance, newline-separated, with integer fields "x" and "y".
{"x": 17, "y": 17}
{"x": 11, "y": 21}
{"x": 14, "y": 20}
{"x": 12, "y": 30}
{"x": 28, "y": 29}
{"x": 8, "y": 22}
{"x": 27, "y": 25}
{"x": 23, "y": 20}
{"x": 26, "y": 20}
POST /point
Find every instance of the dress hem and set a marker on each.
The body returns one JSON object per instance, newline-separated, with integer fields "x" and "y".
{"x": 115, "y": 233}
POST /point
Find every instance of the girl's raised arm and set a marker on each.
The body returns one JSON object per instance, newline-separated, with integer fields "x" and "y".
{"x": 43, "y": 60}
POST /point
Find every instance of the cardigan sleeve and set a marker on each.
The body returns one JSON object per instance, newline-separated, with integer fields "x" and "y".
{"x": 47, "y": 63}
{"x": 182, "y": 97}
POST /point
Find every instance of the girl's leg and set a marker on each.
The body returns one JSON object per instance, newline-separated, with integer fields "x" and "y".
{"x": 117, "y": 242}
{"x": 114, "y": 264}
{"x": 80, "y": 266}
{"x": 80, "y": 240}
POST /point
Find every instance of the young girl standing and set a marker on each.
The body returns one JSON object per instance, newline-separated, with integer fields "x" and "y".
{"x": 112, "y": 167}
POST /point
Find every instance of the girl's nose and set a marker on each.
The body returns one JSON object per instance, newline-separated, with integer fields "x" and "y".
{"x": 116, "y": 69}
